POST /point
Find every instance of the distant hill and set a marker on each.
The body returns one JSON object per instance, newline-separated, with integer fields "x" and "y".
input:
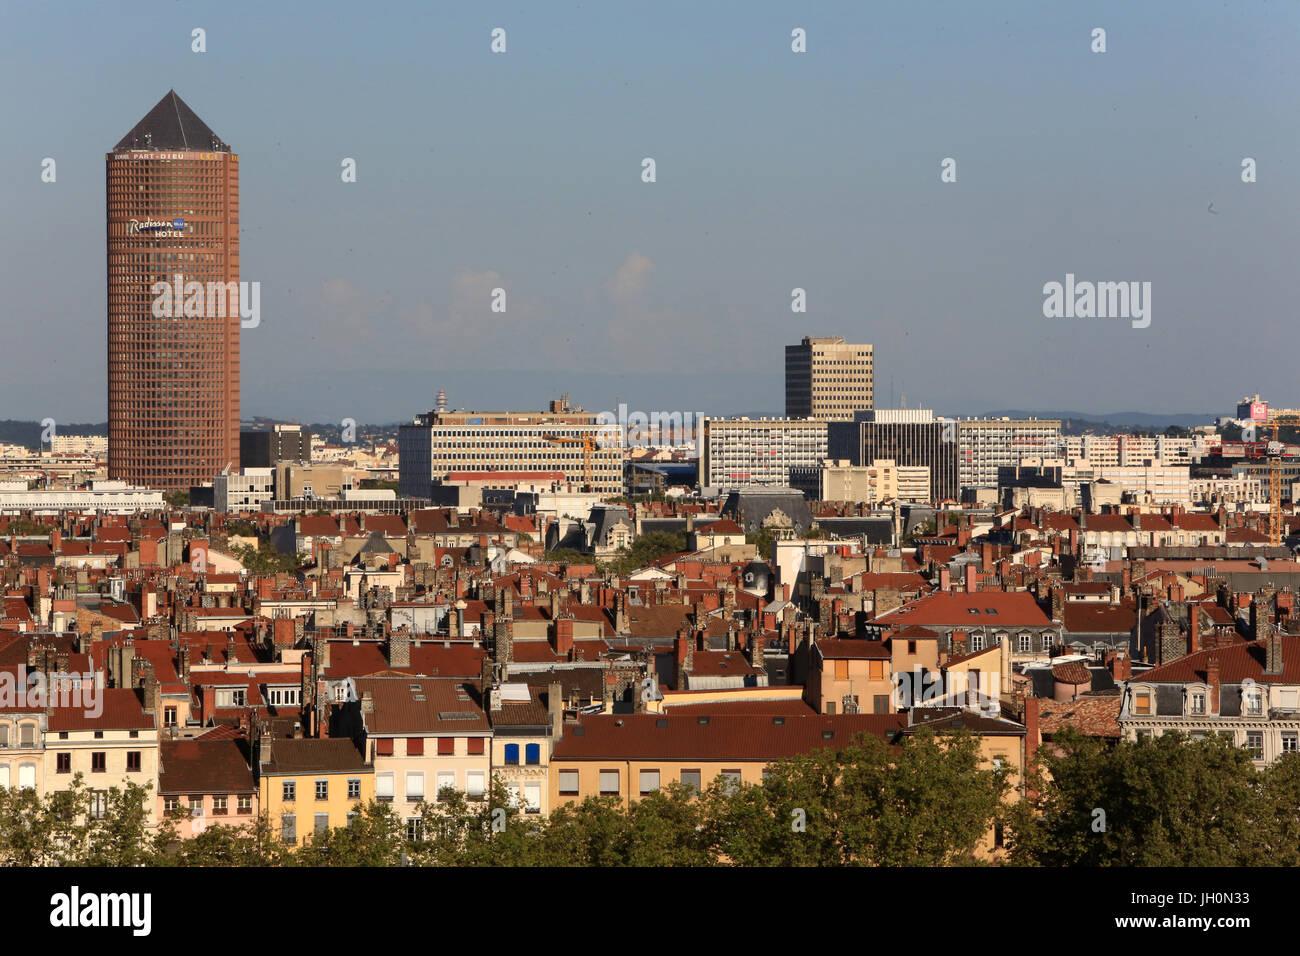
{"x": 1075, "y": 423}
{"x": 13, "y": 432}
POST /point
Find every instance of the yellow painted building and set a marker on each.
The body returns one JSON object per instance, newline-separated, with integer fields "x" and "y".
{"x": 306, "y": 785}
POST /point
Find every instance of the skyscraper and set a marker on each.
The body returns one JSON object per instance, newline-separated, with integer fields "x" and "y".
{"x": 828, "y": 379}
{"x": 173, "y": 365}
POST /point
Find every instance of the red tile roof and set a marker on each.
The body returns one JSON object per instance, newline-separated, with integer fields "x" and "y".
{"x": 722, "y": 737}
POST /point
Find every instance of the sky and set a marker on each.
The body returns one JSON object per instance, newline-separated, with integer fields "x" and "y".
{"x": 775, "y": 170}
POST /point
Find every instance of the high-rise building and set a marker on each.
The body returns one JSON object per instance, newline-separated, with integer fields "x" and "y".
{"x": 828, "y": 379}
{"x": 173, "y": 363}
{"x": 908, "y": 437}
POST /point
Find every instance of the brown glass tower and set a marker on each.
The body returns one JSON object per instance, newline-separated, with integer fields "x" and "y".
{"x": 173, "y": 377}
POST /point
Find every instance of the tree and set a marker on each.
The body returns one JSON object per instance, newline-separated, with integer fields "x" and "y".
{"x": 1167, "y": 801}
{"x": 374, "y": 837}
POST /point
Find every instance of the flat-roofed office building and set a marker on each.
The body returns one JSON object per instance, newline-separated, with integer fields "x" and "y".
{"x": 829, "y": 379}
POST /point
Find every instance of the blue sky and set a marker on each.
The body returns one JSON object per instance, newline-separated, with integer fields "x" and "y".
{"x": 775, "y": 170}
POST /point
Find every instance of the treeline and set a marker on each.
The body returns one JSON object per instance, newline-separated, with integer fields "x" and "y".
{"x": 927, "y": 802}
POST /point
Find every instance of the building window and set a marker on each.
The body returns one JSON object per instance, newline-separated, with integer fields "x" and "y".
{"x": 384, "y": 787}
{"x": 64, "y": 763}
{"x": 98, "y": 761}
{"x": 475, "y": 784}
{"x": 289, "y": 791}
{"x": 730, "y": 780}
{"x": 1255, "y": 743}
{"x": 609, "y": 783}
{"x": 415, "y": 786}
{"x": 842, "y": 670}
{"x": 568, "y": 783}
{"x": 475, "y": 745}
{"x": 322, "y": 789}
{"x": 169, "y": 718}
{"x": 1198, "y": 702}
{"x": 1142, "y": 702}
{"x": 133, "y": 761}
{"x": 384, "y": 747}
{"x": 1254, "y": 703}
{"x": 1026, "y": 643}
{"x": 446, "y": 746}
{"x": 322, "y": 821}
{"x": 512, "y": 755}
{"x": 288, "y": 828}
{"x": 98, "y": 804}
{"x": 977, "y": 642}
{"x": 1290, "y": 743}
{"x": 27, "y": 735}
{"x": 532, "y": 798}
{"x": 533, "y": 754}
{"x": 354, "y": 788}
{"x": 219, "y": 805}
{"x": 446, "y": 781}
{"x": 244, "y": 803}
{"x": 414, "y": 829}
{"x": 649, "y": 781}
{"x": 415, "y": 746}
{"x": 171, "y": 804}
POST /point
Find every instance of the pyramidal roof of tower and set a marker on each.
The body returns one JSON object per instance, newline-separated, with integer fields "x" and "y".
{"x": 172, "y": 125}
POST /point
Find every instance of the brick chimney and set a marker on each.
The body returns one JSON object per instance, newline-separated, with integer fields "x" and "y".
{"x": 970, "y": 579}
{"x": 986, "y": 557}
{"x": 563, "y": 628}
{"x": 945, "y": 578}
{"x": 1273, "y": 652}
{"x": 399, "y": 648}
{"x": 1120, "y": 666}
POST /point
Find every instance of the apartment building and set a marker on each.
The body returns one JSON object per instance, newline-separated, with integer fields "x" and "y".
{"x": 562, "y": 439}
{"x": 111, "y": 749}
{"x": 423, "y": 735}
{"x": 632, "y": 755}
{"x": 526, "y": 721}
{"x": 759, "y": 451}
{"x": 206, "y": 782}
{"x": 1113, "y": 451}
{"x": 829, "y": 379}
{"x": 1248, "y": 693}
{"x": 310, "y": 784}
{"x": 986, "y": 444}
{"x": 882, "y": 480}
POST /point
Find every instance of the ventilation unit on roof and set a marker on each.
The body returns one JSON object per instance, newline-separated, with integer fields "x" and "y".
{"x": 702, "y": 720}
{"x": 778, "y": 721}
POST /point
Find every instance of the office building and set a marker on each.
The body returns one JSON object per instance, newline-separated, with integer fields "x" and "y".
{"x": 828, "y": 379}
{"x": 173, "y": 381}
{"x": 758, "y": 451}
{"x": 987, "y": 444}
{"x": 266, "y": 448}
{"x": 908, "y": 437}
{"x": 562, "y": 439}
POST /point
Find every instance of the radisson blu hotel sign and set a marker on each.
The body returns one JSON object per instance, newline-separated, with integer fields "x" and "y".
{"x": 156, "y": 229}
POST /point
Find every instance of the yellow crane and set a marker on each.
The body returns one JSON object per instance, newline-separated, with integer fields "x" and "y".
{"x": 588, "y": 444}
{"x": 1275, "y": 478}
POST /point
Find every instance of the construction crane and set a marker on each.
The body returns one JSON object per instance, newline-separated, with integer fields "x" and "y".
{"x": 588, "y": 443}
{"x": 1275, "y": 477}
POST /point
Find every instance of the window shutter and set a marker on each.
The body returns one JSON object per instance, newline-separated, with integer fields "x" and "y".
{"x": 415, "y": 746}
{"x": 446, "y": 746}
{"x": 475, "y": 745}
{"x": 512, "y": 754}
{"x": 568, "y": 780}
{"x": 384, "y": 785}
{"x": 533, "y": 754}
{"x": 384, "y": 746}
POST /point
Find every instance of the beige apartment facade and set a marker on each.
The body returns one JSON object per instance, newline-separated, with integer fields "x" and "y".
{"x": 828, "y": 379}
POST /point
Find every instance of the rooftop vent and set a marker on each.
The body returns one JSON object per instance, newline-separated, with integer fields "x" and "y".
{"x": 828, "y": 735}
{"x": 702, "y": 720}
{"x": 661, "y": 722}
{"x": 778, "y": 721}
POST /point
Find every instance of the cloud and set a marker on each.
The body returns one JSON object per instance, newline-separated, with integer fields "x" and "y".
{"x": 628, "y": 285}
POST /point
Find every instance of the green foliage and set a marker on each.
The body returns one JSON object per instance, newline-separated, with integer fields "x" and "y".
{"x": 1167, "y": 801}
{"x": 645, "y": 550}
{"x": 568, "y": 556}
{"x": 264, "y": 559}
{"x": 177, "y": 499}
{"x": 59, "y": 829}
{"x": 25, "y": 526}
